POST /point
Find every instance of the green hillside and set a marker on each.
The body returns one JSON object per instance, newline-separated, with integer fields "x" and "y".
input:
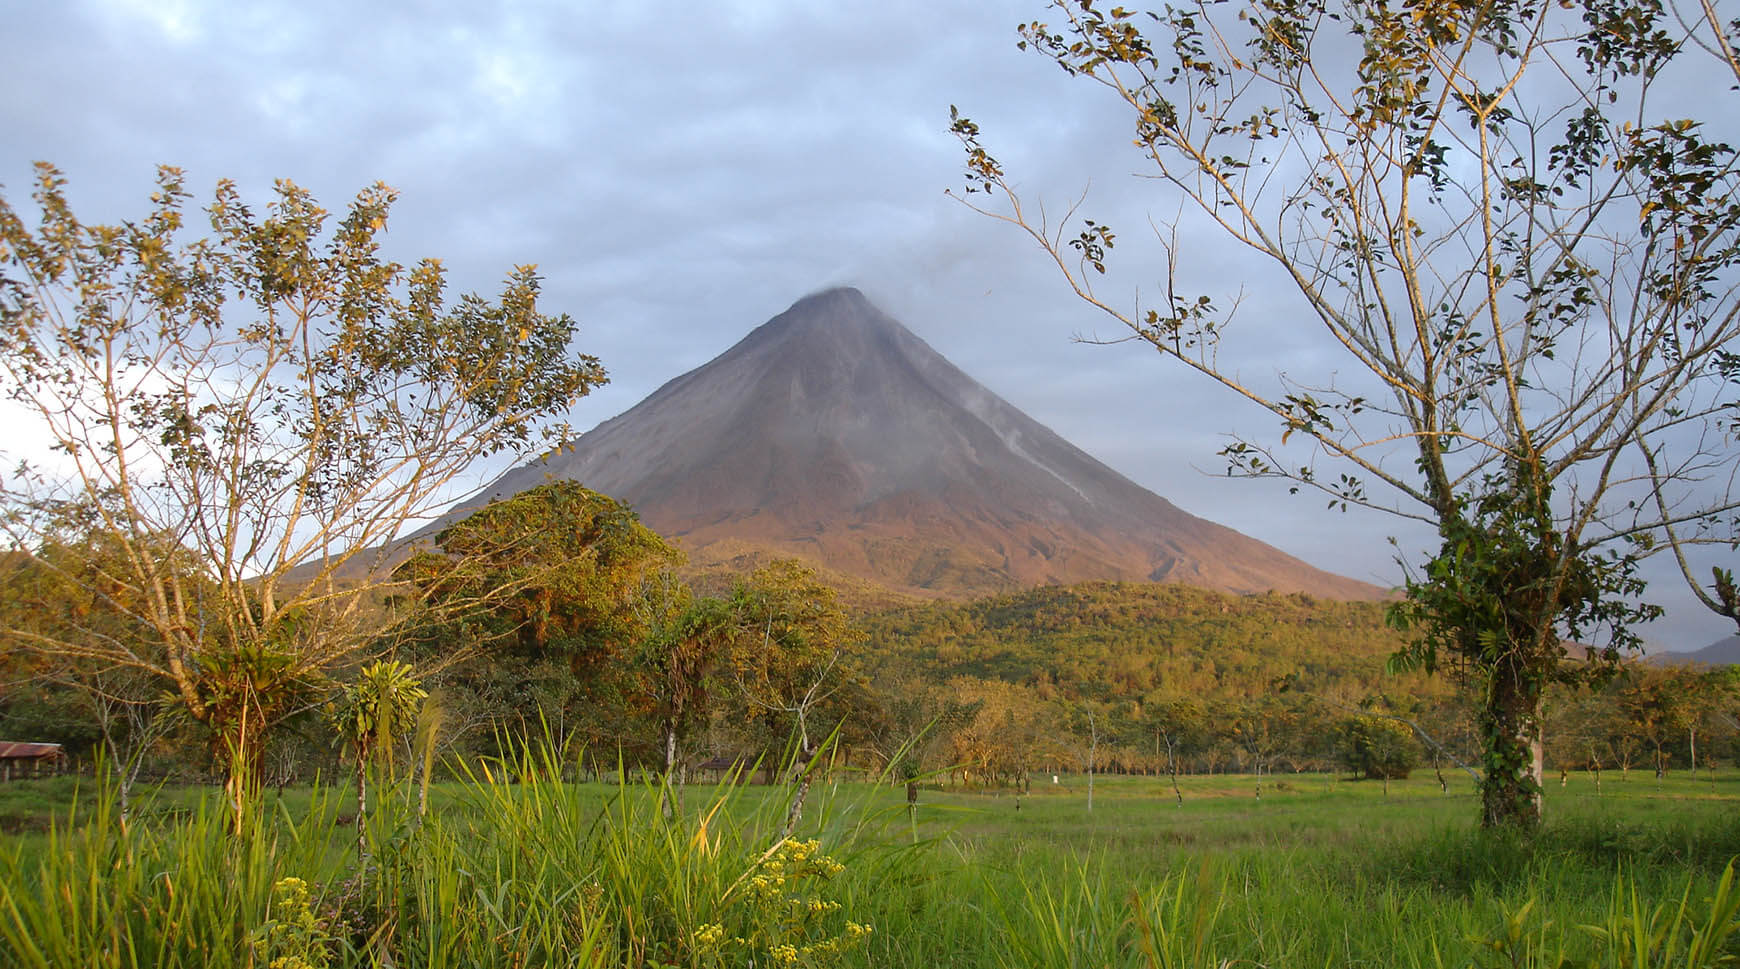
{"x": 1123, "y": 641}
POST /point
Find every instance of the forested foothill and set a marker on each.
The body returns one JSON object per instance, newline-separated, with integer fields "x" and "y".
{"x": 588, "y": 637}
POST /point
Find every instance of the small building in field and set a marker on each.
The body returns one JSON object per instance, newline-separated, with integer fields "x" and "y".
{"x": 19, "y": 759}
{"x": 735, "y": 768}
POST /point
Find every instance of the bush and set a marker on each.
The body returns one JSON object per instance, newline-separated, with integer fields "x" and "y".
{"x": 1376, "y": 748}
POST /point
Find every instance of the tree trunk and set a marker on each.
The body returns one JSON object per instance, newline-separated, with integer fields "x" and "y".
{"x": 238, "y": 786}
{"x": 665, "y": 806}
{"x": 797, "y": 805}
{"x": 1093, "y": 754}
{"x": 362, "y": 807}
{"x": 1510, "y": 791}
{"x": 423, "y": 778}
{"x": 805, "y": 756}
{"x": 124, "y": 771}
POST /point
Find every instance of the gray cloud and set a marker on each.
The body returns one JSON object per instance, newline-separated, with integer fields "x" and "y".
{"x": 681, "y": 177}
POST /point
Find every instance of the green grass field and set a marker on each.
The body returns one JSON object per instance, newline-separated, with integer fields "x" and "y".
{"x": 1318, "y": 872}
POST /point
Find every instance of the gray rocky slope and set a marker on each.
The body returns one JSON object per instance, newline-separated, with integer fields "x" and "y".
{"x": 834, "y": 434}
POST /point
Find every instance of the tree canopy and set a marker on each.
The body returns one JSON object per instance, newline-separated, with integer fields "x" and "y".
{"x": 274, "y": 400}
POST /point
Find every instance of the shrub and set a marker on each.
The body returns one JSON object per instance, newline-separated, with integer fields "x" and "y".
{"x": 1376, "y": 748}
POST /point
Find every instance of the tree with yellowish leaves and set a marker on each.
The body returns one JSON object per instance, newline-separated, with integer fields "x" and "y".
{"x": 273, "y": 398}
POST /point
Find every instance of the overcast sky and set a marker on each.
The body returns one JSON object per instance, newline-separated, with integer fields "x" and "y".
{"x": 680, "y": 174}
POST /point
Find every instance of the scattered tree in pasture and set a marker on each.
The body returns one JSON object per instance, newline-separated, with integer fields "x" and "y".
{"x": 1626, "y": 746}
{"x": 1259, "y": 728}
{"x": 274, "y": 401}
{"x": 1517, "y": 252}
{"x": 915, "y": 724}
{"x": 1180, "y": 724}
{"x": 1377, "y": 748}
{"x": 1084, "y": 724}
{"x": 1579, "y": 733}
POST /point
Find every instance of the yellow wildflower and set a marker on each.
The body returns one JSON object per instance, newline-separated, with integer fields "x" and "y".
{"x": 709, "y": 935}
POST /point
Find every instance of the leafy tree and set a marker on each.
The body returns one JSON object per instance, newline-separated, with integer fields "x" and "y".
{"x": 784, "y": 658}
{"x": 71, "y": 606}
{"x": 1579, "y": 732}
{"x": 1651, "y": 705}
{"x": 673, "y": 664}
{"x": 917, "y": 725}
{"x": 1180, "y": 723}
{"x": 553, "y": 569}
{"x": 275, "y": 400}
{"x": 1260, "y": 728}
{"x": 1007, "y": 735}
{"x": 531, "y": 607}
{"x": 1377, "y": 748}
{"x": 67, "y": 592}
{"x": 1519, "y": 257}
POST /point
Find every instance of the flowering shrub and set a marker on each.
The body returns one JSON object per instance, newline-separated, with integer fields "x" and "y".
{"x": 293, "y": 937}
{"x": 780, "y": 913}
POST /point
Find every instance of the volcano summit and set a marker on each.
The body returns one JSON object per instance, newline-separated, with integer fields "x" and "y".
{"x": 833, "y": 434}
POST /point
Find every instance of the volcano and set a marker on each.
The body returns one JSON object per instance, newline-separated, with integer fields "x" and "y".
{"x": 833, "y": 434}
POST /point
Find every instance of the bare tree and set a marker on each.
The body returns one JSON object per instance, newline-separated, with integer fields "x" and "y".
{"x": 1519, "y": 255}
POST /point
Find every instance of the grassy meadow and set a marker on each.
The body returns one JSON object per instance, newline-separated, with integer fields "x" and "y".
{"x": 1317, "y": 872}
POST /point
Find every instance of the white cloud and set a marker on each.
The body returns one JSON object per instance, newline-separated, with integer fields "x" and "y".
{"x": 177, "y": 20}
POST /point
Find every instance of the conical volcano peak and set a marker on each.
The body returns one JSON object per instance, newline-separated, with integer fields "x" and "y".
{"x": 840, "y": 308}
{"x": 833, "y": 433}
{"x": 834, "y": 330}
{"x": 834, "y": 299}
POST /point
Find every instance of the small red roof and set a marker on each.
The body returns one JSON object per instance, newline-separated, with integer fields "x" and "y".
{"x": 15, "y": 750}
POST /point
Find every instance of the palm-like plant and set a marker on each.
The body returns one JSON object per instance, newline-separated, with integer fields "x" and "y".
{"x": 383, "y": 701}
